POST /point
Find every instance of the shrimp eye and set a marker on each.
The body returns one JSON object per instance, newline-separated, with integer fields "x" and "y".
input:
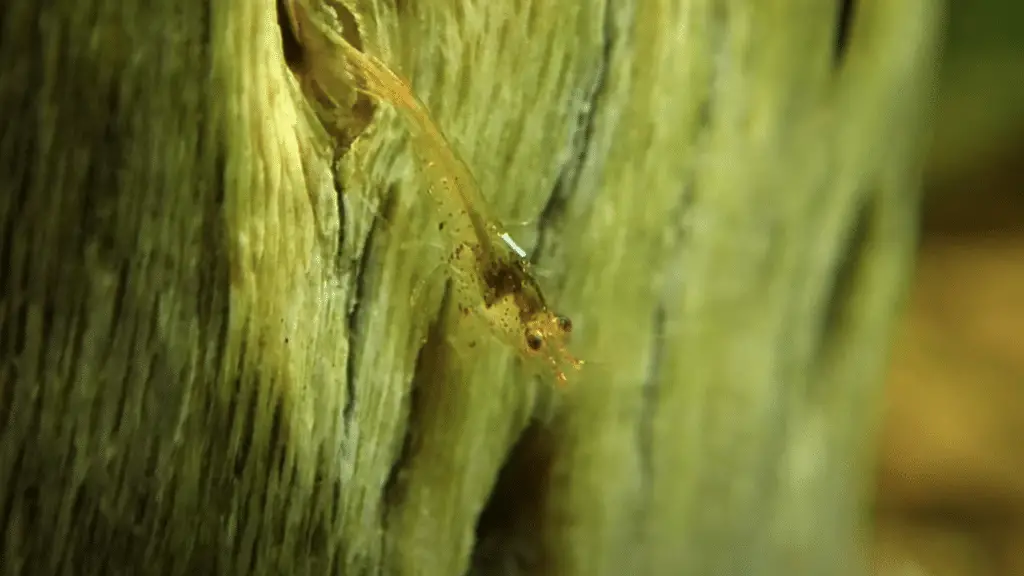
{"x": 534, "y": 340}
{"x": 564, "y": 324}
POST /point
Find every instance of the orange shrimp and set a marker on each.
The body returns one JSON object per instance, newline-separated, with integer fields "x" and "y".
{"x": 488, "y": 269}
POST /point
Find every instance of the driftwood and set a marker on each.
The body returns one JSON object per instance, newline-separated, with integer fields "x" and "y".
{"x": 223, "y": 348}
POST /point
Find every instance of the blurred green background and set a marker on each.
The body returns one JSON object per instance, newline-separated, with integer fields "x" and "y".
{"x": 951, "y": 481}
{"x": 980, "y": 111}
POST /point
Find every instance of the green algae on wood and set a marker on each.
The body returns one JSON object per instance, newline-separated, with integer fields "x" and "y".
{"x": 209, "y": 358}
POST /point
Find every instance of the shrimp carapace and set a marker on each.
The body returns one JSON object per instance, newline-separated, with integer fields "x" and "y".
{"x": 514, "y": 306}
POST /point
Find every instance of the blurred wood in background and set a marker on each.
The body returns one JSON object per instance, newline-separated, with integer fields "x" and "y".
{"x": 951, "y": 488}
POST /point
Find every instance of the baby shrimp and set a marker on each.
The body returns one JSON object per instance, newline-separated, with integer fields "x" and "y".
{"x": 489, "y": 272}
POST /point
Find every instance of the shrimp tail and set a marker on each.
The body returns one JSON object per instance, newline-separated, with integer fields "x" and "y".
{"x": 374, "y": 78}
{"x": 369, "y": 75}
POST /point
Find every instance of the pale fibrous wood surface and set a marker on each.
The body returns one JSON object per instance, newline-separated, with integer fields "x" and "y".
{"x": 225, "y": 349}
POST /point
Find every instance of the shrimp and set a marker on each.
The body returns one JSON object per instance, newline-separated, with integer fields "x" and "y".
{"x": 489, "y": 272}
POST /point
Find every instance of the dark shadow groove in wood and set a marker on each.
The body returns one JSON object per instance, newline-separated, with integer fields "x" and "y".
{"x": 425, "y": 371}
{"x": 848, "y": 270}
{"x": 565, "y": 182}
{"x": 510, "y": 530}
{"x": 844, "y": 23}
{"x": 294, "y": 56}
{"x": 361, "y": 280}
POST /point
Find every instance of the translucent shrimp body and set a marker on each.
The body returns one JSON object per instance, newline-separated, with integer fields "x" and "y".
{"x": 489, "y": 272}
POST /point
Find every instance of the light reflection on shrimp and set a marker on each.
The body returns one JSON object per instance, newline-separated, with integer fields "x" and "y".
{"x": 489, "y": 272}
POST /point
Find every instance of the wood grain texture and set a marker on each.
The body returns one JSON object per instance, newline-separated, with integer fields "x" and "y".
{"x": 224, "y": 349}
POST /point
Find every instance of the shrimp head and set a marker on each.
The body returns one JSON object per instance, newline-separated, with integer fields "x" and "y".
{"x": 517, "y": 312}
{"x": 546, "y": 334}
